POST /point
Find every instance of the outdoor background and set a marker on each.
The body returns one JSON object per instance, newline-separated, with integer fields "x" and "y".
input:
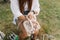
{"x": 49, "y": 17}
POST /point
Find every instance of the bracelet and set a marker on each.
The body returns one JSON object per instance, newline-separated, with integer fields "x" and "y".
{"x": 33, "y": 12}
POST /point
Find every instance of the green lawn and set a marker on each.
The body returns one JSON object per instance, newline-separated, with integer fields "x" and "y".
{"x": 49, "y": 17}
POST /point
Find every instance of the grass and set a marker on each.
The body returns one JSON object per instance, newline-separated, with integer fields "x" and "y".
{"x": 49, "y": 17}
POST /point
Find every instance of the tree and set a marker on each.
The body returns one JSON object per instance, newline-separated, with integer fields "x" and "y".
{"x": 5, "y": 0}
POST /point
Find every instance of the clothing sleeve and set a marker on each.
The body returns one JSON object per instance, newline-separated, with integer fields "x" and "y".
{"x": 15, "y": 8}
{"x": 36, "y": 6}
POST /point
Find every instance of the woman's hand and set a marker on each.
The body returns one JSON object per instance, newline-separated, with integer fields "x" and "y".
{"x": 30, "y": 15}
{"x": 22, "y": 17}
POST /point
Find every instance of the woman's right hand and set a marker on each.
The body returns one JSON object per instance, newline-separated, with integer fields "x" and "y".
{"x": 30, "y": 15}
{"x": 22, "y": 17}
